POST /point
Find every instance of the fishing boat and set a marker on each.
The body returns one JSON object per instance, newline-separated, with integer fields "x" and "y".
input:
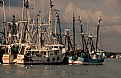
{"x": 90, "y": 52}
{"x": 7, "y": 48}
{"x": 10, "y": 48}
{"x": 32, "y": 42}
{"x": 86, "y": 58}
{"x": 51, "y": 54}
{"x": 39, "y": 49}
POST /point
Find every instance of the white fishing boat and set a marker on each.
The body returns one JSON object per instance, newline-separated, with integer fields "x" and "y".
{"x": 50, "y": 54}
{"x": 39, "y": 50}
{"x": 11, "y": 44}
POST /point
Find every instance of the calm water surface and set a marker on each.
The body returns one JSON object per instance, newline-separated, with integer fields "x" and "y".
{"x": 110, "y": 69}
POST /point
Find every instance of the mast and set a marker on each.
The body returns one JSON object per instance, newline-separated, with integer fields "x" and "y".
{"x": 84, "y": 43}
{"x": 59, "y": 37}
{"x": 14, "y": 29}
{"x": 23, "y": 11}
{"x": 68, "y": 40}
{"x": 39, "y": 40}
{"x": 9, "y": 9}
{"x": 37, "y": 35}
{"x": 90, "y": 42}
{"x": 21, "y": 25}
{"x": 50, "y": 22}
{"x": 55, "y": 31}
{"x": 58, "y": 21}
{"x": 26, "y": 7}
{"x": 40, "y": 35}
{"x": 100, "y": 19}
{"x": 73, "y": 32}
{"x": 82, "y": 34}
{"x": 4, "y": 23}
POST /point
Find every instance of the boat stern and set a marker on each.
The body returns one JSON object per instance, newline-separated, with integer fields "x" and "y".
{"x": 7, "y": 58}
{"x": 20, "y": 59}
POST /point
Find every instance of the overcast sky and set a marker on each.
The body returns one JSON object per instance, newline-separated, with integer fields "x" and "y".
{"x": 89, "y": 10}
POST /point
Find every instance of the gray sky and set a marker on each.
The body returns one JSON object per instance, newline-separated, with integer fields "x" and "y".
{"x": 89, "y": 10}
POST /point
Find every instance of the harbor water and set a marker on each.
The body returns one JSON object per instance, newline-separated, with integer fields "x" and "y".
{"x": 110, "y": 69}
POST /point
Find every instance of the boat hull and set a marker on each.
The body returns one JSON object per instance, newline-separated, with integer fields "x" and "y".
{"x": 78, "y": 62}
{"x": 34, "y": 60}
{"x": 94, "y": 61}
{"x": 87, "y": 61}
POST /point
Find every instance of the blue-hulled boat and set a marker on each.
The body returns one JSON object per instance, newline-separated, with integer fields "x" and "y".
{"x": 90, "y": 53}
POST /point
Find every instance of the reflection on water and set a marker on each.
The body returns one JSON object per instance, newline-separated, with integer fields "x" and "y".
{"x": 110, "y": 69}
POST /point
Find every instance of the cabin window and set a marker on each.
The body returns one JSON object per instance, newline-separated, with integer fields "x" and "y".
{"x": 60, "y": 47}
{"x": 57, "y": 58}
{"x": 53, "y": 59}
{"x": 56, "y": 52}
{"x": 44, "y": 53}
{"x": 55, "y": 46}
{"x": 51, "y": 54}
